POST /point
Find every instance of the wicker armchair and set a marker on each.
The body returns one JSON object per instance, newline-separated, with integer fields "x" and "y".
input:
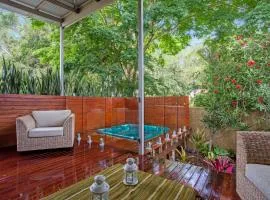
{"x": 253, "y": 149}
{"x": 28, "y": 142}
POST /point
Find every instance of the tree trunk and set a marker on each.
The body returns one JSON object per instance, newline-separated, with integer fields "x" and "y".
{"x": 211, "y": 141}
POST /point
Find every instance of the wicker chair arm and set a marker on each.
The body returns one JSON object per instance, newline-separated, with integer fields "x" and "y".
{"x": 26, "y": 122}
{"x": 69, "y": 126}
{"x": 241, "y": 154}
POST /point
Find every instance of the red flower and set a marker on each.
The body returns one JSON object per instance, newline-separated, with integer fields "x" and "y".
{"x": 251, "y": 63}
{"x": 216, "y": 91}
{"x": 260, "y": 100}
{"x": 234, "y": 103}
{"x": 233, "y": 81}
{"x": 238, "y": 86}
{"x": 259, "y": 82}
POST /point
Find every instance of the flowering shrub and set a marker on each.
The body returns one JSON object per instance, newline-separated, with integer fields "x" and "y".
{"x": 238, "y": 81}
{"x": 220, "y": 164}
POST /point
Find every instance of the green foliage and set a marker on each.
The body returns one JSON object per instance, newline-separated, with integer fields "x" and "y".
{"x": 220, "y": 151}
{"x": 204, "y": 149}
{"x": 19, "y": 81}
{"x": 183, "y": 155}
{"x": 10, "y": 79}
{"x": 46, "y": 82}
{"x": 238, "y": 82}
{"x": 200, "y": 100}
{"x": 237, "y": 76}
{"x": 198, "y": 139}
{"x": 102, "y": 48}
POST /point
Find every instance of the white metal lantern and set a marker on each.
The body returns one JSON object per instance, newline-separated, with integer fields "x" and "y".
{"x": 159, "y": 142}
{"x": 167, "y": 138}
{"x": 101, "y": 142}
{"x": 130, "y": 175}
{"x": 89, "y": 141}
{"x": 149, "y": 146}
{"x": 179, "y": 131}
{"x": 174, "y": 135}
{"x": 100, "y": 189}
{"x": 79, "y": 137}
{"x": 185, "y": 129}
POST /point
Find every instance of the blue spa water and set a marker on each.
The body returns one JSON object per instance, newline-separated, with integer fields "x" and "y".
{"x": 131, "y": 131}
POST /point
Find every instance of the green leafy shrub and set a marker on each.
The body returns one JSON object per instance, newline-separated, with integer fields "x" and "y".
{"x": 47, "y": 82}
{"x": 238, "y": 82}
{"x": 198, "y": 138}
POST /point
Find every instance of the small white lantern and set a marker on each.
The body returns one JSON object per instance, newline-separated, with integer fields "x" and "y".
{"x": 174, "y": 135}
{"x": 159, "y": 141}
{"x": 184, "y": 129}
{"x": 149, "y": 146}
{"x": 130, "y": 175}
{"x": 167, "y": 138}
{"x": 101, "y": 143}
{"x": 179, "y": 131}
{"x": 100, "y": 189}
{"x": 173, "y": 156}
{"x": 79, "y": 139}
{"x": 89, "y": 141}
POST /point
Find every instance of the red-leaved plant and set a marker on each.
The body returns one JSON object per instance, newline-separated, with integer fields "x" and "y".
{"x": 221, "y": 164}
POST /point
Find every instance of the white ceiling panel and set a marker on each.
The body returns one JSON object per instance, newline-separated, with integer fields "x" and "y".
{"x": 65, "y": 12}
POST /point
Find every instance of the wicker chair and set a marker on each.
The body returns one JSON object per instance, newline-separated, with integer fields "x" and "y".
{"x": 253, "y": 149}
{"x": 33, "y": 134}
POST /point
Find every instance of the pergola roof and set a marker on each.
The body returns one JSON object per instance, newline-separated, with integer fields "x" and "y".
{"x": 64, "y": 12}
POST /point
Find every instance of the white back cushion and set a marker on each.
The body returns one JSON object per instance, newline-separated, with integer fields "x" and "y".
{"x": 51, "y": 118}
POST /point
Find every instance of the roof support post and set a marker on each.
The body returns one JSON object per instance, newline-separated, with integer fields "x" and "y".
{"x": 141, "y": 75}
{"x": 62, "y": 89}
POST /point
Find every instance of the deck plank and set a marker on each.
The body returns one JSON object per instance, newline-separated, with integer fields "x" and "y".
{"x": 33, "y": 175}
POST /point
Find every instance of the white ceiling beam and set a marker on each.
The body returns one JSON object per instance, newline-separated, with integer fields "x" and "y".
{"x": 85, "y": 10}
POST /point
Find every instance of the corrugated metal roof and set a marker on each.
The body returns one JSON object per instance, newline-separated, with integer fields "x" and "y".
{"x": 64, "y": 12}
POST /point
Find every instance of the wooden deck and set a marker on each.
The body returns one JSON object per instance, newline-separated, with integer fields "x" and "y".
{"x": 206, "y": 182}
{"x": 33, "y": 175}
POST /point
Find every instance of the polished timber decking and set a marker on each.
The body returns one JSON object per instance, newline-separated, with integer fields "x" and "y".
{"x": 33, "y": 175}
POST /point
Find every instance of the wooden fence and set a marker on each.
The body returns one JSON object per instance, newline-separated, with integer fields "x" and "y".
{"x": 93, "y": 112}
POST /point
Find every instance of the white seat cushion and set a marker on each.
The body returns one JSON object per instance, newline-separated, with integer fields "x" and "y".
{"x": 259, "y": 175}
{"x": 46, "y": 132}
{"x": 51, "y": 118}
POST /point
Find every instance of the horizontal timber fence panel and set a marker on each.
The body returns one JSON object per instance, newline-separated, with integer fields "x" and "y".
{"x": 92, "y": 113}
{"x": 13, "y": 106}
